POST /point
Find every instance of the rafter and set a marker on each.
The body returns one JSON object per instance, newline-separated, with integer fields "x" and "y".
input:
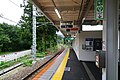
{"x": 87, "y": 8}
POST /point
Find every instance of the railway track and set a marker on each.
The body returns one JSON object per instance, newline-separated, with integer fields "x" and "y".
{"x": 10, "y": 69}
{"x": 31, "y": 75}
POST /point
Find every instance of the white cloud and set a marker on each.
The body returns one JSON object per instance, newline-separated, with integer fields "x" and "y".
{"x": 59, "y": 33}
{"x": 10, "y": 10}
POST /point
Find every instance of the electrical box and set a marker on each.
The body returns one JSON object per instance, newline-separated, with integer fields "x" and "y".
{"x": 92, "y": 44}
{"x": 89, "y": 44}
{"x": 100, "y": 58}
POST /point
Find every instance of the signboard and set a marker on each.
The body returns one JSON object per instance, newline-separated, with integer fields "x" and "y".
{"x": 67, "y": 24}
{"x": 70, "y": 38}
{"x": 99, "y": 9}
{"x": 100, "y": 59}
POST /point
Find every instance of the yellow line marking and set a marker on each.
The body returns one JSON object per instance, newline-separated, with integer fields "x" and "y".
{"x": 59, "y": 73}
{"x": 45, "y": 69}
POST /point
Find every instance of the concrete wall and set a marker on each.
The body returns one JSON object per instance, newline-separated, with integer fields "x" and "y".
{"x": 14, "y": 55}
{"x": 76, "y": 46}
{"x": 84, "y": 55}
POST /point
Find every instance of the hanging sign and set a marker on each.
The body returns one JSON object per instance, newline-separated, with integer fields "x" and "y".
{"x": 99, "y": 9}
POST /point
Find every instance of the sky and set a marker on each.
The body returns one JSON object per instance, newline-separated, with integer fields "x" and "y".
{"x": 10, "y": 9}
{"x": 59, "y": 33}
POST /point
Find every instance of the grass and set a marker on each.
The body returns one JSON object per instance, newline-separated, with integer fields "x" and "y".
{"x": 26, "y": 61}
{"x": 2, "y": 53}
{"x": 4, "y": 65}
{"x": 41, "y": 54}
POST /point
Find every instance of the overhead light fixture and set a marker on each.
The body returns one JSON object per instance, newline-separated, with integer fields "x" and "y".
{"x": 83, "y": 20}
{"x": 57, "y": 12}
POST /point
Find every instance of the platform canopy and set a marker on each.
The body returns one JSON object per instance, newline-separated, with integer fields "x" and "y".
{"x": 75, "y": 12}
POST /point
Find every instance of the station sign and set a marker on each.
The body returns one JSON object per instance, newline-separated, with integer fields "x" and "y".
{"x": 67, "y": 24}
{"x": 99, "y": 9}
{"x": 69, "y": 38}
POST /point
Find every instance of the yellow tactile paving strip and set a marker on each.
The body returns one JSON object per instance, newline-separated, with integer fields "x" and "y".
{"x": 59, "y": 73}
{"x": 44, "y": 70}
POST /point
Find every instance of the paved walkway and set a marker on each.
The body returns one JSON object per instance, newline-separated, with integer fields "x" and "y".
{"x": 67, "y": 67}
{"x": 14, "y": 55}
{"x": 74, "y": 69}
{"x": 51, "y": 71}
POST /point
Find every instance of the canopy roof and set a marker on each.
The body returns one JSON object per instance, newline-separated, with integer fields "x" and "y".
{"x": 70, "y": 11}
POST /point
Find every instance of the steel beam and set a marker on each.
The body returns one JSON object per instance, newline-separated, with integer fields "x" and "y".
{"x": 34, "y": 34}
{"x": 62, "y": 8}
{"x": 86, "y": 10}
{"x": 111, "y": 24}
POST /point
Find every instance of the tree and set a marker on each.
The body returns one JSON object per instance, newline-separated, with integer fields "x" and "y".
{"x": 4, "y": 39}
{"x": 46, "y": 33}
{"x": 26, "y": 27}
{"x": 9, "y": 38}
{"x": 14, "y": 38}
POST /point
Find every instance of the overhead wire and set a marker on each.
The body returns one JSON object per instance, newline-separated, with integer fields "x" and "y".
{"x": 14, "y": 3}
{"x": 7, "y": 19}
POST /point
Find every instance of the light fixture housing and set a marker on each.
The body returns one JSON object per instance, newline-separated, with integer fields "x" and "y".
{"x": 57, "y": 12}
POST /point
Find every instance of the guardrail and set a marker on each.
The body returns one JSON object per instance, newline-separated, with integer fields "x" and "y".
{"x": 14, "y": 55}
{"x": 10, "y": 68}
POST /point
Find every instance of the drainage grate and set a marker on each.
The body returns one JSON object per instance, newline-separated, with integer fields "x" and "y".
{"x": 67, "y": 69}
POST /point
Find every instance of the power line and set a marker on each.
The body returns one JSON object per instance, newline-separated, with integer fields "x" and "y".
{"x": 7, "y": 19}
{"x": 14, "y": 3}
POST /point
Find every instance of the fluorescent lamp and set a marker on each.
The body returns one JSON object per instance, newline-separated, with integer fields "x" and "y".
{"x": 83, "y": 20}
{"x": 57, "y": 13}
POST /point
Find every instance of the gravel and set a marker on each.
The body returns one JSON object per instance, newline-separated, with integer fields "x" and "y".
{"x": 26, "y": 70}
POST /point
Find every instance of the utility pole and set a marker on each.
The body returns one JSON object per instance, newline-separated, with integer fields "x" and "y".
{"x": 34, "y": 34}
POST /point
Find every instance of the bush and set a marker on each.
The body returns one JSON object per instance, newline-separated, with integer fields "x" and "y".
{"x": 27, "y": 62}
{"x": 4, "y": 65}
{"x": 1, "y": 63}
{"x": 42, "y": 54}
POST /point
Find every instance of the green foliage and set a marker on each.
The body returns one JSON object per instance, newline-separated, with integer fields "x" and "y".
{"x": 60, "y": 39}
{"x": 2, "y": 53}
{"x": 13, "y": 38}
{"x": 41, "y": 54}
{"x": 27, "y": 62}
{"x": 26, "y": 27}
{"x": 4, "y": 65}
{"x": 9, "y": 37}
{"x": 46, "y": 37}
{"x": 46, "y": 33}
{"x": 1, "y": 63}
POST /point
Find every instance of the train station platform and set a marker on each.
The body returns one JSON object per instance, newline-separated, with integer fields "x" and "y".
{"x": 65, "y": 67}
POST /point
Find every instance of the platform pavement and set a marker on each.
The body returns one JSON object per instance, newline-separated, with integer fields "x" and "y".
{"x": 77, "y": 70}
{"x": 73, "y": 70}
